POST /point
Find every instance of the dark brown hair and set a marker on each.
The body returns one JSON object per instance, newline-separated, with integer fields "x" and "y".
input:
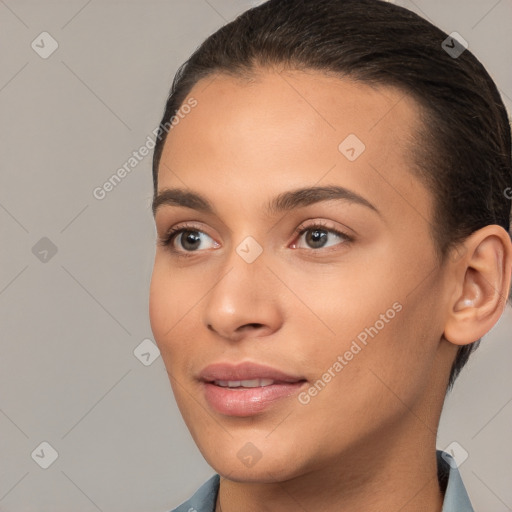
{"x": 463, "y": 154}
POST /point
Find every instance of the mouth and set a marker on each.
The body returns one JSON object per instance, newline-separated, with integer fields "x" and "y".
{"x": 252, "y": 383}
{"x": 247, "y": 388}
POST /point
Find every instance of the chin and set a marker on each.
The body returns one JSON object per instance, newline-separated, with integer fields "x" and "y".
{"x": 248, "y": 464}
{"x": 262, "y": 474}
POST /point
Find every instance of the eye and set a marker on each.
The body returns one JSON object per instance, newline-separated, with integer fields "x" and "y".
{"x": 317, "y": 236}
{"x": 189, "y": 237}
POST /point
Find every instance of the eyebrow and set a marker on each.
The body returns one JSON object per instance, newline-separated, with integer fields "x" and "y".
{"x": 283, "y": 202}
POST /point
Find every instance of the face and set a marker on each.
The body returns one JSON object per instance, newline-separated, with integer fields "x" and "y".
{"x": 335, "y": 292}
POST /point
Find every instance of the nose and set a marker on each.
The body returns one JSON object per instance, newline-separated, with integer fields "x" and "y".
{"x": 244, "y": 301}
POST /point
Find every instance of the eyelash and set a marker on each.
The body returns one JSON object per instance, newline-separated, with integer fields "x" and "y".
{"x": 172, "y": 233}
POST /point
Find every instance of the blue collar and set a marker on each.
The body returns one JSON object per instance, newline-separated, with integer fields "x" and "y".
{"x": 456, "y": 498}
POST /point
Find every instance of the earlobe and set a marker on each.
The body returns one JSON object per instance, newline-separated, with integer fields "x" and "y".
{"x": 481, "y": 282}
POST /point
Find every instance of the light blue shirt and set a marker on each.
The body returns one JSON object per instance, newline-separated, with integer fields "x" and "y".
{"x": 456, "y": 498}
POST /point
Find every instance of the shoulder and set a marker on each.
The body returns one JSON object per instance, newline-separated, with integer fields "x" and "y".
{"x": 203, "y": 499}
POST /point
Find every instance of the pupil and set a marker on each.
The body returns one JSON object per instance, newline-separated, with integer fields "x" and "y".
{"x": 318, "y": 237}
{"x": 191, "y": 237}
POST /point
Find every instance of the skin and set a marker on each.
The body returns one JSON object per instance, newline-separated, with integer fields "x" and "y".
{"x": 367, "y": 441}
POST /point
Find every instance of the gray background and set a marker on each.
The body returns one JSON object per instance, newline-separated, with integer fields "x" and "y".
{"x": 71, "y": 322}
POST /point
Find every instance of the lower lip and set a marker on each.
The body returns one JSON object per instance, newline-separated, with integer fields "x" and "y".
{"x": 247, "y": 401}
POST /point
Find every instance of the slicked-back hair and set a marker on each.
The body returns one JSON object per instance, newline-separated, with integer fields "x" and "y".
{"x": 462, "y": 154}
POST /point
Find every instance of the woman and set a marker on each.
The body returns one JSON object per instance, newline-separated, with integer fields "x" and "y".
{"x": 333, "y": 242}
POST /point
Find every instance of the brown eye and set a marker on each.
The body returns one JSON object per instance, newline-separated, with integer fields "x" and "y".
{"x": 317, "y": 236}
{"x": 188, "y": 237}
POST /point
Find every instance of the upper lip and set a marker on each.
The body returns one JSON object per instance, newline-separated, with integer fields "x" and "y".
{"x": 244, "y": 371}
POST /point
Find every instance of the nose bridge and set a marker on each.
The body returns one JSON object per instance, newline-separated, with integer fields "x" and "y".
{"x": 246, "y": 254}
{"x": 241, "y": 295}
{"x": 243, "y": 273}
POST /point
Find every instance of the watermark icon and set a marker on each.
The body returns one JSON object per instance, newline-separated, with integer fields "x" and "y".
{"x": 355, "y": 347}
{"x": 44, "y": 45}
{"x": 454, "y": 454}
{"x": 249, "y": 454}
{"x": 44, "y": 250}
{"x": 101, "y": 191}
{"x": 45, "y": 455}
{"x": 454, "y": 45}
{"x": 508, "y": 192}
{"x": 351, "y": 147}
{"x": 146, "y": 352}
{"x": 249, "y": 249}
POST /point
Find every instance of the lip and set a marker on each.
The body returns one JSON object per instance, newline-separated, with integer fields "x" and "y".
{"x": 247, "y": 401}
{"x": 245, "y": 371}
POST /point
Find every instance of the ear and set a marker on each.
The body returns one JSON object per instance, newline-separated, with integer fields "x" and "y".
{"x": 480, "y": 278}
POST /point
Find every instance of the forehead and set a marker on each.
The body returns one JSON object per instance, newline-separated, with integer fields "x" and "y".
{"x": 254, "y": 138}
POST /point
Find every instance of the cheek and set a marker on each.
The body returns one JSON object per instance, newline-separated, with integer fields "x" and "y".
{"x": 368, "y": 333}
{"x": 158, "y": 298}
{"x": 174, "y": 299}
{"x": 164, "y": 315}
{"x": 338, "y": 305}
{"x": 166, "y": 303}
{"x": 374, "y": 384}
